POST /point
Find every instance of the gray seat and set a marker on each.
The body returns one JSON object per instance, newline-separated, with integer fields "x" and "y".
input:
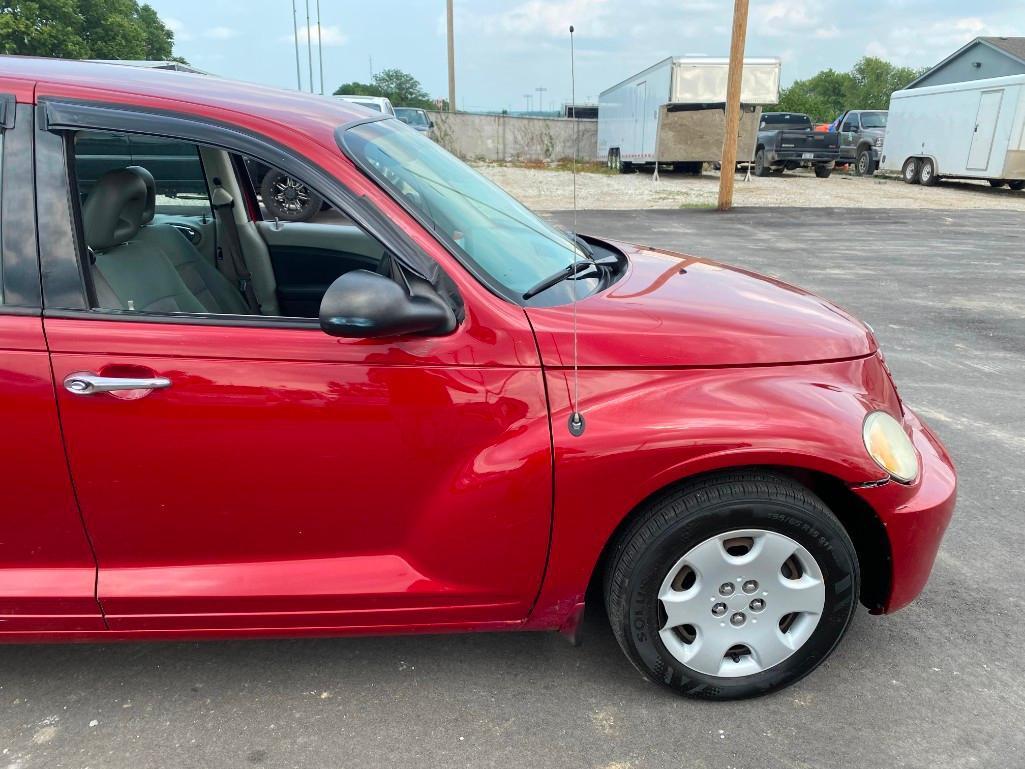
{"x": 214, "y": 291}
{"x": 127, "y": 274}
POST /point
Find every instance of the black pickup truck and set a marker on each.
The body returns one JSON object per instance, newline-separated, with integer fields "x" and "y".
{"x": 787, "y": 140}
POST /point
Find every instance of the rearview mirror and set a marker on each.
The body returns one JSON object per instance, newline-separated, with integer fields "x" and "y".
{"x": 364, "y": 305}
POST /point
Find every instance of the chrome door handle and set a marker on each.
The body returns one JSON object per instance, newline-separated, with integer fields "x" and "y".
{"x": 86, "y": 383}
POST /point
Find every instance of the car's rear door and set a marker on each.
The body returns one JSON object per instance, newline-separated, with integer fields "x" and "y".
{"x": 282, "y": 478}
{"x": 47, "y": 570}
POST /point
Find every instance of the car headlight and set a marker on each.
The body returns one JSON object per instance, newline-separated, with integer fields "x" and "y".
{"x": 879, "y": 141}
{"x": 890, "y": 447}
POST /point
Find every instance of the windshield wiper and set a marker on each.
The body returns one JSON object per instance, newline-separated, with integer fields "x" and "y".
{"x": 569, "y": 271}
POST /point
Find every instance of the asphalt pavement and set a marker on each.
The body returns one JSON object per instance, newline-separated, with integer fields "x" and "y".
{"x": 939, "y": 685}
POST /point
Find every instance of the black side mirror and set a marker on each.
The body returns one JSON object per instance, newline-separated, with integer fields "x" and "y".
{"x": 365, "y": 305}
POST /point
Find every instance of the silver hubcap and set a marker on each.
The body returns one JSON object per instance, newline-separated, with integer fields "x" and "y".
{"x": 741, "y": 602}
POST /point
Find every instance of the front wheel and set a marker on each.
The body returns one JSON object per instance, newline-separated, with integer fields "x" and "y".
{"x": 864, "y": 166}
{"x": 732, "y": 587}
{"x": 910, "y": 171}
{"x": 287, "y": 198}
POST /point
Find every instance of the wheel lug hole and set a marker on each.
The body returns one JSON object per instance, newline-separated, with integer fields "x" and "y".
{"x": 726, "y": 588}
{"x": 719, "y": 609}
{"x": 757, "y": 604}
{"x": 750, "y": 586}
{"x": 738, "y": 619}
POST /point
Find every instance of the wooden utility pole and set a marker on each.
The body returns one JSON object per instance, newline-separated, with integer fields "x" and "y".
{"x": 451, "y": 61}
{"x": 729, "y": 147}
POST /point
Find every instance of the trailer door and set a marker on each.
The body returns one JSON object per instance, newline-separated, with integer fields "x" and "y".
{"x": 985, "y": 129}
{"x": 640, "y": 116}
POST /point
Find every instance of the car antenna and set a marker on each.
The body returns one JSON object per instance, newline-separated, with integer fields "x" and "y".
{"x": 576, "y": 418}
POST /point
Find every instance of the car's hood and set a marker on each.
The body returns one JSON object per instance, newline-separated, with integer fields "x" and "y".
{"x": 672, "y": 310}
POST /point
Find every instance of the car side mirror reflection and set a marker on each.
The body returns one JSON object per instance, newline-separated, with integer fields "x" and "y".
{"x": 365, "y": 305}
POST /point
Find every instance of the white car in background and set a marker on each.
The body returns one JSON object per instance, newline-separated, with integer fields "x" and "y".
{"x": 376, "y": 103}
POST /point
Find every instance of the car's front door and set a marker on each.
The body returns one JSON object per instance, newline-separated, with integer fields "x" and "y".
{"x": 849, "y": 133}
{"x": 267, "y": 475}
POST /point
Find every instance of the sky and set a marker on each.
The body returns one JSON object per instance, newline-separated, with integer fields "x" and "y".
{"x": 507, "y": 50}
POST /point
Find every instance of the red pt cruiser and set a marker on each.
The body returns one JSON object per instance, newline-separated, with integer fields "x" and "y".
{"x": 431, "y": 412}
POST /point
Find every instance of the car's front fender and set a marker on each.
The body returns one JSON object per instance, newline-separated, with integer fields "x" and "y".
{"x": 648, "y": 430}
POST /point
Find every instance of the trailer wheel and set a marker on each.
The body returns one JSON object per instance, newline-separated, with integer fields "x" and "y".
{"x": 823, "y": 172}
{"x": 997, "y": 183}
{"x": 864, "y": 165}
{"x": 1016, "y": 185}
{"x": 910, "y": 171}
{"x": 927, "y": 173}
{"x": 760, "y": 168}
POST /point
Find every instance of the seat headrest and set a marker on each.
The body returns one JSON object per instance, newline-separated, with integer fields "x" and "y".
{"x": 112, "y": 213}
{"x": 151, "y": 192}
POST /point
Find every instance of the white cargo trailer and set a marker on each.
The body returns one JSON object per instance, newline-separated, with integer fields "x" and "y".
{"x": 674, "y": 112}
{"x": 970, "y": 130}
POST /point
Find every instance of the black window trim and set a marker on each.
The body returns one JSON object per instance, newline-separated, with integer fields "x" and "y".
{"x": 64, "y": 286}
{"x": 20, "y": 290}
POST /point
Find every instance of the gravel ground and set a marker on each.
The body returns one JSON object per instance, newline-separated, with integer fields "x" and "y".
{"x": 552, "y": 189}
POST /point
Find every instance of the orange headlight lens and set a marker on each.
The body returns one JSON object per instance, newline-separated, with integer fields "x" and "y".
{"x": 890, "y": 447}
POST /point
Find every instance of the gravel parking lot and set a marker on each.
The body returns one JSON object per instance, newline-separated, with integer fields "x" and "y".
{"x": 936, "y": 686}
{"x": 551, "y": 189}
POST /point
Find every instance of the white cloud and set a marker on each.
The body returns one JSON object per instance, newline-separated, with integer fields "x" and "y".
{"x": 928, "y": 43}
{"x": 221, "y": 33}
{"x": 330, "y": 35}
{"x": 784, "y": 18}
{"x": 181, "y": 33}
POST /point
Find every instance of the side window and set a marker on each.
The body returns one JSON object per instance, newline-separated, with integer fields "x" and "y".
{"x": 851, "y": 124}
{"x": 176, "y": 168}
{"x": 170, "y": 226}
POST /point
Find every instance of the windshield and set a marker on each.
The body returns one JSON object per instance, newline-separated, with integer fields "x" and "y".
{"x": 873, "y": 120}
{"x": 412, "y": 117}
{"x": 492, "y": 230}
{"x": 368, "y": 104}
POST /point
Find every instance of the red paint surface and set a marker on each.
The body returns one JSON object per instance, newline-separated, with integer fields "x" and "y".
{"x": 293, "y": 483}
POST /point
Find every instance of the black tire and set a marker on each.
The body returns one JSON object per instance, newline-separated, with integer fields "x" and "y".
{"x": 287, "y": 198}
{"x": 909, "y": 171}
{"x": 864, "y": 165}
{"x": 927, "y": 173}
{"x": 997, "y": 183}
{"x": 761, "y": 169}
{"x": 1016, "y": 185}
{"x": 672, "y": 524}
{"x": 823, "y": 172}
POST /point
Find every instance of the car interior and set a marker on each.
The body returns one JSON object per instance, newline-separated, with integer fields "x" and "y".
{"x": 164, "y": 234}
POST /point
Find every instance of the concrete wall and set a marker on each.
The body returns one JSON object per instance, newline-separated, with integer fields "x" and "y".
{"x": 503, "y": 137}
{"x": 960, "y": 69}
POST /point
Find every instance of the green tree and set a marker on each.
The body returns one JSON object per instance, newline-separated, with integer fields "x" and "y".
{"x": 84, "y": 29}
{"x": 829, "y": 93}
{"x": 400, "y": 88}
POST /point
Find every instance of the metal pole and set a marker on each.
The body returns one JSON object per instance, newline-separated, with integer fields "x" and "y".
{"x": 309, "y": 43}
{"x": 541, "y": 98}
{"x": 736, "y": 74}
{"x": 451, "y": 60}
{"x": 295, "y": 30}
{"x": 320, "y": 51}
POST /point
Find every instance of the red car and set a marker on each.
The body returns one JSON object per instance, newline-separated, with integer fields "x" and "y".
{"x": 433, "y": 412}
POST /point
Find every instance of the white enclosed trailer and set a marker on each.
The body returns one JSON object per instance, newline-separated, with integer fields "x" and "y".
{"x": 674, "y": 111}
{"x": 970, "y": 130}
